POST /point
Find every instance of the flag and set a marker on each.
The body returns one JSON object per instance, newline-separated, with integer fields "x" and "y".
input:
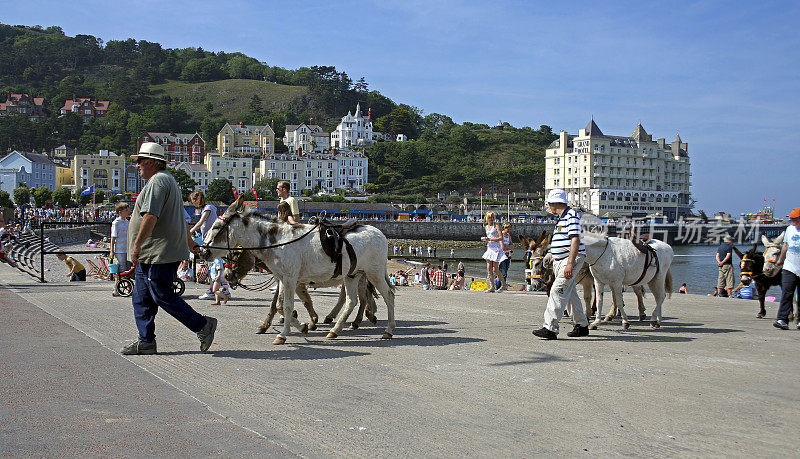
{"x": 254, "y": 193}
{"x": 235, "y": 194}
{"x": 480, "y": 192}
{"x": 87, "y": 191}
{"x": 509, "y": 192}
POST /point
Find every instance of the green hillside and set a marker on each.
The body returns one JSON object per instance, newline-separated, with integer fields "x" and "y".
{"x": 230, "y": 98}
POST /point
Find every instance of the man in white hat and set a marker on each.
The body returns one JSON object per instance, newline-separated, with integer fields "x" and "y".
{"x": 157, "y": 243}
{"x": 568, "y": 253}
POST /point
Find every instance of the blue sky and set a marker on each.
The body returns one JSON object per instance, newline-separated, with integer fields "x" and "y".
{"x": 725, "y": 74}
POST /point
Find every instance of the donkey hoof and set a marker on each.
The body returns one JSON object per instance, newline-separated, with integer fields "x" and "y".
{"x": 592, "y": 326}
{"x": 313, "y": 326}
{"x": 386, "y": 335}
{"x": 626, "y": 325}
{"x": 373, "y": 319}
{"x": 354, "y": 325}
{"x": 328, "y": 320}
{"x": 331, "y": 335}
{"x": 642, "y": 317}
{"x": 304, "y": 330}
{"x": 261, "y": 330}
{"x": 655, "y": 324}
{"x": 279, "y": 340}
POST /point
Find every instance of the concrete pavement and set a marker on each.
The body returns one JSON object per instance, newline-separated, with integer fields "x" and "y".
{"x": 463, "y": 376}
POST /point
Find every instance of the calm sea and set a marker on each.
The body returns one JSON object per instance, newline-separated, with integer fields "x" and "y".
{"x": 693, "y": 264}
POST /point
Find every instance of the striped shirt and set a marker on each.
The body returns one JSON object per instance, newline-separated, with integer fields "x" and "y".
{"x": 568, "y": 226}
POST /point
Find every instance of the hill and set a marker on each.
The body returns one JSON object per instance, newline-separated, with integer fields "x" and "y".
{"x": 231, "y": 98}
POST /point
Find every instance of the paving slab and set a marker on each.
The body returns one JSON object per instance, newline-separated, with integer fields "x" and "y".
{"x": 462, "y": 377}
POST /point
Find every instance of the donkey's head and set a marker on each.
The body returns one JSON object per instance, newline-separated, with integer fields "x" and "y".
{"x": 236, "y": 227}
{"x": 752, "y": 265}
{"x": 772, "y": 251}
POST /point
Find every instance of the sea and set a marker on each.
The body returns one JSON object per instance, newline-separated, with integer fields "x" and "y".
{"x": 694, "y": 265}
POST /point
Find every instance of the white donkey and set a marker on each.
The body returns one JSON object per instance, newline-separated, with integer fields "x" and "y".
{"x": 616, "y": 262}
{"x": 294, "y": 253}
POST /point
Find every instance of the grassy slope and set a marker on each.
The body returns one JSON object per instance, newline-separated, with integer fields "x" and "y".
{"x": 232, "y": 97}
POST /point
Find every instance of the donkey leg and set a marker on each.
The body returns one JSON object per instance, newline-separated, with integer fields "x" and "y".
{"x": 381, "y": 282}
{"x": 287, "y": 288}
{"x": 657, "y": 287}
{"x": 598, "y": 291}
{"x": 273, "y": 308}
{"x": 616, "y": 293}
{"x": 588, "y": 296}
{"x": 302, "y": 292}
{"x": 351, "y": 287}
{"x": 339, "y": 303}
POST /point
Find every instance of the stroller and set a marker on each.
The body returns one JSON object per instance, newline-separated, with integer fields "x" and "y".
{"x": 123, "y": 284}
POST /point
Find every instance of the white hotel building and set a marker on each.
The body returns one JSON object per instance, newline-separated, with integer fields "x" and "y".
{"x": 323, "y": 171}
{"x": 630, "y": 176}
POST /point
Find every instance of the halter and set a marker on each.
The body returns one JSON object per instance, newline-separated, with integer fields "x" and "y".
{"x": 230, "y": 249}
{"x": 602, "y": 253}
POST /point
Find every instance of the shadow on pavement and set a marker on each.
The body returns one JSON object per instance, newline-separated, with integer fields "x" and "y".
{"x": 294, "y": 352}
{"x": 538, "y": 357}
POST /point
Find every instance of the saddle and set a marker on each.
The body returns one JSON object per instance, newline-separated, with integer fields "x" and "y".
{"x": 650, "y": 256}
{"x": 332, "y": 237}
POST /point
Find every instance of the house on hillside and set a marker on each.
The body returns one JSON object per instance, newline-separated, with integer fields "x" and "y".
{"x": 179, "y": 147}
{"x": 306, "y": 138}
{"x": 246, "y": 140}
{"x": 34, "y": 169}
{"x": 23, "y": 105}
{"x": 85, "y": 107}
{"x": 354, "y": 130}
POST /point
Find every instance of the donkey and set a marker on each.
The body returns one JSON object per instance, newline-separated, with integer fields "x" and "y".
{"x": 294, "y": 253}
{"x": 366, "y": 295}
{"x": 772, "y": 251}
{"x": 616, "y": 262}
{"x": 541, "y": 264}
{"x": 752, "y": 267}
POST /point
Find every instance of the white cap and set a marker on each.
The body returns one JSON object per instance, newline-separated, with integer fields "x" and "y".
{"x": 151, "y": 150}
{"x": 557, "y": 195}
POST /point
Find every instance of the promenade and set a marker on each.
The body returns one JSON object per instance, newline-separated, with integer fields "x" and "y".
{"x": 462, "y": 377}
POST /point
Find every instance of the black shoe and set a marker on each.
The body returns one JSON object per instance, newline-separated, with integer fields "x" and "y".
{"x": 544, "y": 333}
{"x": 139, "y": 348}
{"x": 206, "y": 335}
{"x": 577, "y": 331}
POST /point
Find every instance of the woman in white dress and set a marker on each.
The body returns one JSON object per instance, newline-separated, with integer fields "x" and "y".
{"x": 494, "y": 253}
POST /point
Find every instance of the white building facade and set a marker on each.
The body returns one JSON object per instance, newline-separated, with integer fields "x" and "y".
{"x": 631, "y": 176}
{"x": 199, "y": 173}
{"x": 318, "y": 171}
{"x": 353, "y": 131}
{"x": 306, "y": 138}
{"x": 239, "y": 171}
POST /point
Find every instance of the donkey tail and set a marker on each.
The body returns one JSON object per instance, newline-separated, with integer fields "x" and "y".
{"x": 668, "y": 283}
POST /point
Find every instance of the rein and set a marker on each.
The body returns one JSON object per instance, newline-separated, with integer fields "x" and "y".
{"x": 264, "y": 247}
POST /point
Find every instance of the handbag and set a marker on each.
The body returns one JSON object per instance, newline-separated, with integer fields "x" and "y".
{"x": 113, "y": 266}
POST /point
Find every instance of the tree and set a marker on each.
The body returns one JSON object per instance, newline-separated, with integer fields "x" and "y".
{"x": 62, "y": 197}
{"x": 5, "y": 199}
{"x": 255, "y": 105}
{"x": 266, "y": 188}
{"x": 41, "y": 195}
{"x": 186, "y": 183}
{"x": 22, "y": 195}
{"x": 220, "y": 190}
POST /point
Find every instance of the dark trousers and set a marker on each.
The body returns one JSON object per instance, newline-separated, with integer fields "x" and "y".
{"x": 503, "y": 266}
{"x": 78, "y": 276}
{"x": 789, "y": 283}
{"x": 153, "y": 289}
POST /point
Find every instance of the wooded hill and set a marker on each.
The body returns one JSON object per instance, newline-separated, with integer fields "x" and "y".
{"x": 187, "y": 90}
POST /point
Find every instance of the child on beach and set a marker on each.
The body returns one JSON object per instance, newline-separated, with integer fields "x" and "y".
{"x": 118, "y": 247}
{"x": 76, "y": 273}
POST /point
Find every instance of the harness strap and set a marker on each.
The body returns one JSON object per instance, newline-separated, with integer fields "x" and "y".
{"x": 649, "y": 257}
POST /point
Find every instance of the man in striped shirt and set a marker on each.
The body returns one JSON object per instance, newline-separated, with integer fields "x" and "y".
{"x": 568, "y": 253}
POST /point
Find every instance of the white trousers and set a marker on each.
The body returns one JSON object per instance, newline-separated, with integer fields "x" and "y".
{"x": 565, "y": 294}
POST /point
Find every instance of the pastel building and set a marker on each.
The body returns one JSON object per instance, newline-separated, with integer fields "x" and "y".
{"x": 33, "y": 169}
{"x": 246, "y": 140}
{"x": 306, "y": 138}
{"x": 352, "y": 168}
{"x": 630, "y": 176}
{"x": 239, "y": 171}
{"x": 105, "y": 170}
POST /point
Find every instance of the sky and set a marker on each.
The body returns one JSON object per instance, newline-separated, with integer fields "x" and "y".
{"x": 725, "y": 75}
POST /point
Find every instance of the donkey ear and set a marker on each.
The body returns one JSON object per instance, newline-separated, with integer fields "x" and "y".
{"x": 523, "y": 240}
{"x": 755, "y": 247}
{"x": 238, "y": 204}
{"x": 764, "y": 240}
{"x": 779, "y": 240}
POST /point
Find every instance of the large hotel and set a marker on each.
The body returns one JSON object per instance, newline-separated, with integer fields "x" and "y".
{"x": 612, "y": 176}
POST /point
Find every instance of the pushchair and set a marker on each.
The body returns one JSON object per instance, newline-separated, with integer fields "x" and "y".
{"x": 123, "y": 284}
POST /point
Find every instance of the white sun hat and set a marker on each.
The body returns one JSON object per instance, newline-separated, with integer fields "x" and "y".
{"x": 151, "y": 150}
{"x": 557, "y": 195}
